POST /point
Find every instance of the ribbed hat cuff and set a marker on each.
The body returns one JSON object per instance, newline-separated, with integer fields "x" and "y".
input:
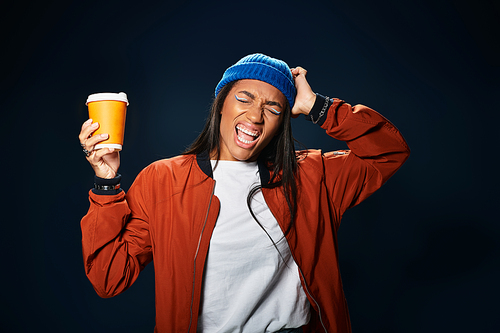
{"x": 262, "y": 72}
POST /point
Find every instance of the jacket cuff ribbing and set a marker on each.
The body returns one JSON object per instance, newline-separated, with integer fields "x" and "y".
{"x": 109, "y": 182}
{"x": 315, "y": 112}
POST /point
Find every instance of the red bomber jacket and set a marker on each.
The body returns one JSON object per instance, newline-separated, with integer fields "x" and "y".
{"x": 170, "y": 211}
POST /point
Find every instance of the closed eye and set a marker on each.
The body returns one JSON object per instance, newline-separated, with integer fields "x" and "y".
{"x": 272, "y": 110}
{"x": 241, "y": 99}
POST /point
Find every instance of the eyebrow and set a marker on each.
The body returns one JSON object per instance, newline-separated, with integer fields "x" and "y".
{"x": 252, "y": 96}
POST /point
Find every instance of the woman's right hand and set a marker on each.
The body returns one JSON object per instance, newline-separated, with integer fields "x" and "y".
{"x": 105, "y": 161}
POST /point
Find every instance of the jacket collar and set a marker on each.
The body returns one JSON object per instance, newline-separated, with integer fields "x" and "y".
{"x": 203, "y": 161}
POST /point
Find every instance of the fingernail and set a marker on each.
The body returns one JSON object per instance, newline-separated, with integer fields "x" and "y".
{"x": 95, "y": 124}
{"x": 104, "y": 135}
{"x": 88, "y": 121}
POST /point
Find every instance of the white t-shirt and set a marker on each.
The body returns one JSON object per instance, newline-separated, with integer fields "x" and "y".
{"x": 247, "y": 286}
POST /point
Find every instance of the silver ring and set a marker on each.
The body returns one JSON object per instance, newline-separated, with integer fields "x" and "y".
{"x": 87, "y": 152}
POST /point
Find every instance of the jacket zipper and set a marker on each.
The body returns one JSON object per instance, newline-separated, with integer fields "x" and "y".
{"x": 309, "y": 293}
{"x": 196, "y": 256}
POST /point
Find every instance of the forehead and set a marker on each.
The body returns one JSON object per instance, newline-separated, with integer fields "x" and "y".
{"x": 260, "y": 89}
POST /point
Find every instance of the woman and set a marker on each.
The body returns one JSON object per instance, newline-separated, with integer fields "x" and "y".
{"x": 242, "y": 229}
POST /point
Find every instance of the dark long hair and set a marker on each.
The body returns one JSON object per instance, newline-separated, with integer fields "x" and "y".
{"x": 279, "y": 155}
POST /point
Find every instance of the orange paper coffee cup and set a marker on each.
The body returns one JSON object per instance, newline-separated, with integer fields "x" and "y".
{"x": 109, "y": 110}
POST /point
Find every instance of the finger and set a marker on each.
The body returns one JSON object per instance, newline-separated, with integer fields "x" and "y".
{"x": 87, "y": 129}
{"x": 96, "y": 157}
{"x": 91, "y": 142}
{"x": 100, "y": 153}
{"x": 86, "y": 123}
{"x": 300, "y": 81}
{"x": 89, "y": 146}
{"x": 85, "y": 126}
{"x": 299, "y": 71}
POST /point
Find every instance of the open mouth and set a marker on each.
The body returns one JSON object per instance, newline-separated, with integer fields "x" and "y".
{"x": 246, "y": 135}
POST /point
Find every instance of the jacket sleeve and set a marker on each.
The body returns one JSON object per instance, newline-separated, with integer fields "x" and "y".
{"x": 116, "y": 239}
{"x": 376, "y": 151}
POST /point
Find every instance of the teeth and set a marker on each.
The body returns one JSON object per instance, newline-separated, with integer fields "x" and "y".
{"x": 243, "y": 140}
{"x": 246, "y": 132}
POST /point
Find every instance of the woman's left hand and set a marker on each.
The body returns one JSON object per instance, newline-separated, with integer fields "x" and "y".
{"x": 305, "y": 98}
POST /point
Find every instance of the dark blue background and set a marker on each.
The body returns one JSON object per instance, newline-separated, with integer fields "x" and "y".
{"x": 421, "y": 255}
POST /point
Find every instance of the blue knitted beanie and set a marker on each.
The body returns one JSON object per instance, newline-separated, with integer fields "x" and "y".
{"x": 261, "y": 67}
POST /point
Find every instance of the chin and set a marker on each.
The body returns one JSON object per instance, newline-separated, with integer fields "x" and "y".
{"x": 244, "y": 157}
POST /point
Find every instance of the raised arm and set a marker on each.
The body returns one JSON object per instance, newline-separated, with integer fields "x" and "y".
{"x": 115, "y": 231}
{"x": 377, "y": 148}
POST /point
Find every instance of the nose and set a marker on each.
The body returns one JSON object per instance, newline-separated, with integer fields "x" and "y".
{"x": 254, "y": 114}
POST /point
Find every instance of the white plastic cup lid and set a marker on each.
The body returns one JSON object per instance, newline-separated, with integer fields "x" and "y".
{"x": 122, "y": 97}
